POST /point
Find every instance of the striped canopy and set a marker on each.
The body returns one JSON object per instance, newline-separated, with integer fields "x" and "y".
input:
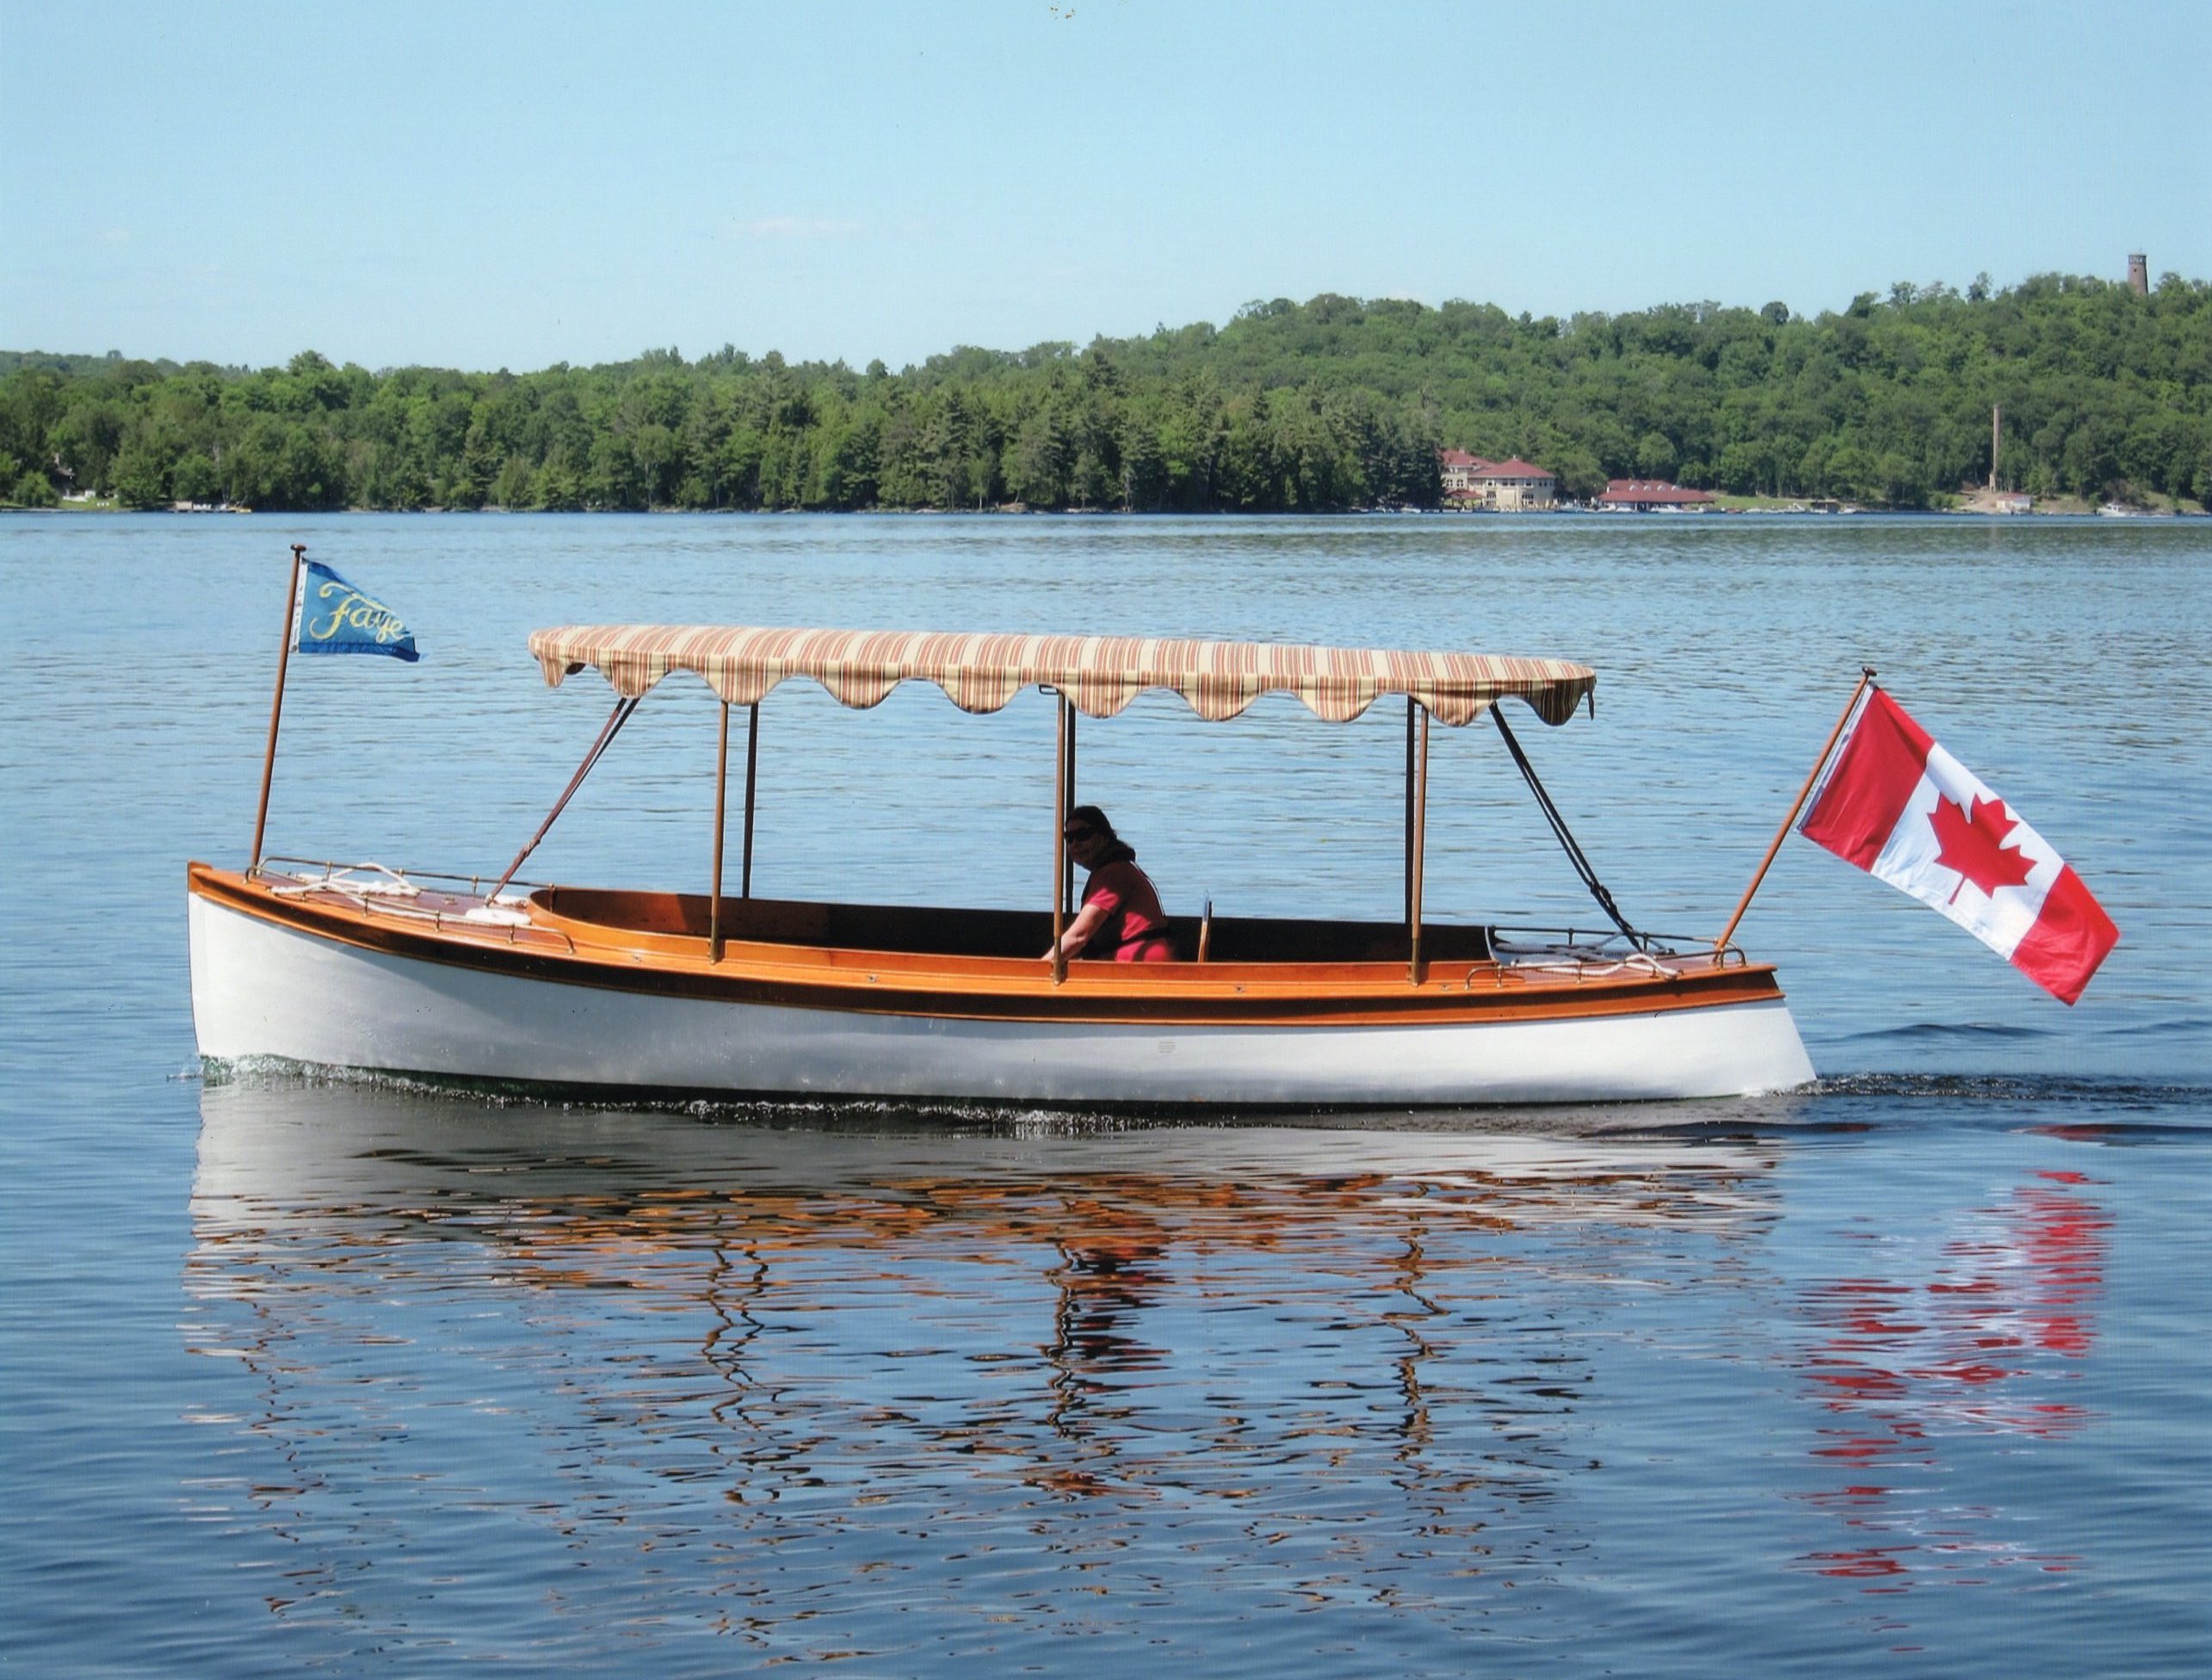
{"x": 1099, "y": 674}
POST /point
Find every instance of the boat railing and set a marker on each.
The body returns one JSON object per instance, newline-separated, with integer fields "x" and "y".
{"x": 464, "y": 904}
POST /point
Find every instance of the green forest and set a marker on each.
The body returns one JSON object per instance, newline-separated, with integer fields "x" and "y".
{"x": 1329, "y": 404}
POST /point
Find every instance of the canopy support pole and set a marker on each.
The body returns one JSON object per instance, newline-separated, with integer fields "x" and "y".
{"x": 721, "y": 788}
{"x": 1720, "y": 945}
{"x": 276, "y": 706}
{"x": 1066, "y": 806}
{"x": 1420, "y": 843}
{"x": 1062, "y": 739}
{"x": 608, "y": 730}
{"x": 752, "y": 777}
{"x": 1410, "y": 709}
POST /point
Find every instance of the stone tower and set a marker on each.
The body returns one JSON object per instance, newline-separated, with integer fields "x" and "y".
{"x": 2139, "y": 274}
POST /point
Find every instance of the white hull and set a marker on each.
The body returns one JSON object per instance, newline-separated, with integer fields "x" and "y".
{"x": 262, "y": 990}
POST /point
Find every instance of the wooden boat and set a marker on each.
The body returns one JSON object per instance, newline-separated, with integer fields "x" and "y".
{"x": 708, "y": 994}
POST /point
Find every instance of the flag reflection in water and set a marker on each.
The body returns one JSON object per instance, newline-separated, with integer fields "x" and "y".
{"x": 1980, "y": 1344}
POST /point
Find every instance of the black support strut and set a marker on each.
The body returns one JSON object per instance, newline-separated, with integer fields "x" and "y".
{"x": 608, "y": 731}
{"x": 1568, "y": 844}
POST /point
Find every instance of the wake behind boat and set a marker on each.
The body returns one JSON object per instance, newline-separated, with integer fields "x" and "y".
{"x": 631, "y": 992}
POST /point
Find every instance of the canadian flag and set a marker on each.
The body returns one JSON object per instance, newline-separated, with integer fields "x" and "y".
{"x": 1899, "y": 806}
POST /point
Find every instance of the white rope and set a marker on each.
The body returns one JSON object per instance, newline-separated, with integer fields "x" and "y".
{"x": 1582, "y": 962}
{"x": 392, "y": 884}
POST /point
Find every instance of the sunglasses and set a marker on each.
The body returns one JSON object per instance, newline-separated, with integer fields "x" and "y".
{"x": 1079, "y": 833}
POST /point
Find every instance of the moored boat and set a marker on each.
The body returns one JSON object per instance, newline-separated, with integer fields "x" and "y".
{"x": 709, "y": 992}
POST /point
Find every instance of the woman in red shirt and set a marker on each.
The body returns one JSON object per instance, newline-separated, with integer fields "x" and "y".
{"x": 1120, "y": 920}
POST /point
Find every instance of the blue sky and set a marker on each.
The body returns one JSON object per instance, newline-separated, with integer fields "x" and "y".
{"x": 486, "y": 185}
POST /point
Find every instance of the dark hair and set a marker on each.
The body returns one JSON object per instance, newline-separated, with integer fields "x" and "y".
{"x": 1117, "y": 849}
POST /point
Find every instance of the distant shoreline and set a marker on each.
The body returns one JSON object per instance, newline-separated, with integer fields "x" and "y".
{"x": 2065, "y": 388}
{"x": 2058, "y": 509}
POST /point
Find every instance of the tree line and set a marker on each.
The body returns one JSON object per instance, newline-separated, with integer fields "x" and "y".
{"x": 1333, "y": 404}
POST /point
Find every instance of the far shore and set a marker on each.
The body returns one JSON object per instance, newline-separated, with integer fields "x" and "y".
{"x": 1723, "y": 506}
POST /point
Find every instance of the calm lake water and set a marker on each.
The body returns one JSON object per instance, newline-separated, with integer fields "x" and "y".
{"x": 1906, "y": 1374}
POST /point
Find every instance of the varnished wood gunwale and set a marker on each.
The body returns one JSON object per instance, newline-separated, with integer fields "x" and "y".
{"x": 571, "y": 951}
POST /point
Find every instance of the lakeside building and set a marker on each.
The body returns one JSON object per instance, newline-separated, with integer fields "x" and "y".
{"x": 1506, "y": 486}
{"x": 1652, "y": 496}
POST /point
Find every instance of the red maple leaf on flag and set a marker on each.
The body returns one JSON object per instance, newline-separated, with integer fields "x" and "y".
{"x": 1973, "y": 842}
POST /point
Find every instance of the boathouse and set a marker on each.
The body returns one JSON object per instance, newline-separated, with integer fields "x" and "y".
{"x": 1651, "y": 495}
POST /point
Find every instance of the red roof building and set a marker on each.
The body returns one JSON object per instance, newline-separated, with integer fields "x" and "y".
{"x": 1471, "y": 481}
{"x": 1516, "y": 468}
{"x": 1458, "y": 470}
{"x": 1646, "y": 495}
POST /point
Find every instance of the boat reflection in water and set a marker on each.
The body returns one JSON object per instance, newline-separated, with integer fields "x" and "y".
{"x": 890, "y": 1382}
{"x": 1313, "y": 1365}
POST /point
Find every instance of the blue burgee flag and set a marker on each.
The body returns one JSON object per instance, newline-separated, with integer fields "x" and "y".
{"x": 335, "y": 617}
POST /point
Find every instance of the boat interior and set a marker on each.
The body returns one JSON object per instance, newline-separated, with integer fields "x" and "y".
{"x": 941, "y": 932}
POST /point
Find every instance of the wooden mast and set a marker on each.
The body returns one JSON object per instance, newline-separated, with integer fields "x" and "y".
{"x": 276, "y": 705}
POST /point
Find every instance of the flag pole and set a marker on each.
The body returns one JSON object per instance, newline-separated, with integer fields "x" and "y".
{"x": 276, "y": 706}
{"x": 1720, "y": 945}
